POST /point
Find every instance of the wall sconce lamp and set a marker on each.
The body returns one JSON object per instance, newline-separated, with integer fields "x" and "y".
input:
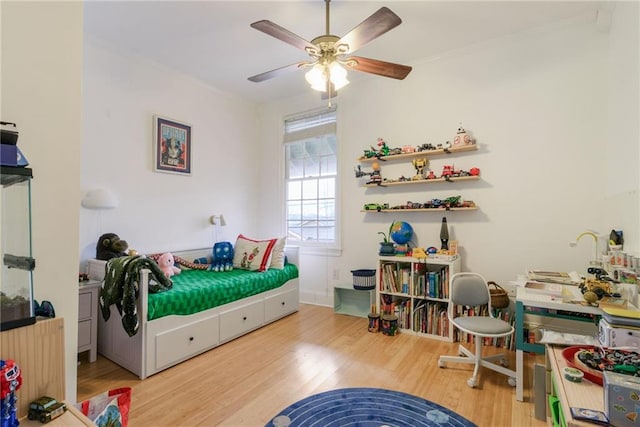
{"x": 99, "y": 198}
{"x": 217, "y": 220}
{"x": 594, "y": 235}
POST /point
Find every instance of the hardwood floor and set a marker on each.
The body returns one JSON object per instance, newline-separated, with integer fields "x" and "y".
{"x": 249, "y": 380}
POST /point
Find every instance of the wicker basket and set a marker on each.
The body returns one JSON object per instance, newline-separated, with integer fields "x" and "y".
{"x": 499, "y": 297}
{"x": 364, "y": 279}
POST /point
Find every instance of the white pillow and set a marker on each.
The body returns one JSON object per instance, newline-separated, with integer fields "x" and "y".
{"x": 254, "y": 255}
{"x": 277, "y": 256}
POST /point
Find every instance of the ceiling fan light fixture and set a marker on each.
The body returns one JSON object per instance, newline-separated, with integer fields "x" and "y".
{"x": 317, "y": 78}
{"x": 338, "y": 75}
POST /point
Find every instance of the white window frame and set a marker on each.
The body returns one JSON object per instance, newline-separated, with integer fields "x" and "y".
{"x": 296, "y": 129}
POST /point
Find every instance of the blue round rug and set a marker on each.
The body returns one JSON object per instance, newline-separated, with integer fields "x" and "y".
{"x": 366, "y": 407}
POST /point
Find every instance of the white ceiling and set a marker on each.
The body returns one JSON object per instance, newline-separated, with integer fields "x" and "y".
{"x": 213, "y": 42}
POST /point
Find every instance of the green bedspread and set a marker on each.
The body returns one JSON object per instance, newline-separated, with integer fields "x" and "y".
{"x": 197, "y": 290}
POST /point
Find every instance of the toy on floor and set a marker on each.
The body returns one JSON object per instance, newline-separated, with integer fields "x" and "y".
{"x": 222, "y": 257}
{"x": 10, "y": 382}
{"x": 166, "y": 262}
{"x": 110, "y": 246}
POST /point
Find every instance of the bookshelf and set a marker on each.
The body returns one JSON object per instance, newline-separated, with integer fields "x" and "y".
{"x": 416, "y": 291}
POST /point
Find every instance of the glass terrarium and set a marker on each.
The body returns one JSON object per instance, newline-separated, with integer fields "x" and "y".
{"x": 16, "y": 281}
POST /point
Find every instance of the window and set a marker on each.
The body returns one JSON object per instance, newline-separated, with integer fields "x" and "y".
{"x": 311, "y": 178}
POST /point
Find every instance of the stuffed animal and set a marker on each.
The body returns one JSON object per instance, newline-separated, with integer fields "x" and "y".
{"x": 166, "y": 262}
{"x": 110, "y": 246}
{"x": 222, "y": 257}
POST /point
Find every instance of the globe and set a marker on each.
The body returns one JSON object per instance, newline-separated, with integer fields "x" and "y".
{"x": 401, "y": 232}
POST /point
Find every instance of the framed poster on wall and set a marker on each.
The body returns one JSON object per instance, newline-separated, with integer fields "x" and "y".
{"x": 171, "y": 146}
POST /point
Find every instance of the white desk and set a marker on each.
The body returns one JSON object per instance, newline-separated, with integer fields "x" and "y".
{"x": 558, "y": 307}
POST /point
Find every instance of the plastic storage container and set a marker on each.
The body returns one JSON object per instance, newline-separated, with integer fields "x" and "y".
{"x": 16, "y": 281}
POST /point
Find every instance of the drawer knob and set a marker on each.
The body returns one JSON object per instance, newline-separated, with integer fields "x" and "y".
{"x": 282, "y": 303}
{"x": 244, "y": 318}
{"x": 190, "y": 338}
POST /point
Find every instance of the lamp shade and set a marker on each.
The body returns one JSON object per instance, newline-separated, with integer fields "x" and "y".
{"x": 99, "y": 198}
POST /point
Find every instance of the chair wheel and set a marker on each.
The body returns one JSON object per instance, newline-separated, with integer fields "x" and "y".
{"x": 512, "y": 381}
{"x": 441, "y": 364}
{"x": 504, "y": 362}
{"x": 471, "y": 382}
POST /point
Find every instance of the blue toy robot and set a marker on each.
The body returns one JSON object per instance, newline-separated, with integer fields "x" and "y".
{"x": 222, "y": 259}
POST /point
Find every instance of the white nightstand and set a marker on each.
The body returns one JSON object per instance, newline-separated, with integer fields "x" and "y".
{"x": 88, "y": 292}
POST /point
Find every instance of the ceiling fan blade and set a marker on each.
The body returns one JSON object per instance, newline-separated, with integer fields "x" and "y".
{"x": 374, "y": 26}
{"x": 381, "y": 68}
{"x": 275, "y": 30}
{"x": 277, "y": 72}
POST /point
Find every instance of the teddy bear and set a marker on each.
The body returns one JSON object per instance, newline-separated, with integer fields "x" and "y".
{"x": 110, "y": 246}
{"x": 222, "y": 259}
{"x": 166, "y": 262}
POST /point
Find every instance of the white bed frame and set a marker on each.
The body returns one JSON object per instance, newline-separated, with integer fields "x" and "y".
{"x": 167, "y": 341}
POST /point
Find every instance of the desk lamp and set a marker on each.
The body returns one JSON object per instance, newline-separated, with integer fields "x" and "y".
{"x": 593, "y": 234}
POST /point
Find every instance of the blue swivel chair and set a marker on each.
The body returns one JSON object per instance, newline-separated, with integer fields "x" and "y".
{"x": 471, "y": 289}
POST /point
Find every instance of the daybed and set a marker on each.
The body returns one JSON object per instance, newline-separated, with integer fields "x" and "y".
{"x": 166, "y": 341}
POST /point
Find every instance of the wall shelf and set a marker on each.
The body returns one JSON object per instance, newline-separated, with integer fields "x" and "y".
{"x": 424, "y": 181}
{"x": 426, "y": 153}
{"x": 420, "y": 210}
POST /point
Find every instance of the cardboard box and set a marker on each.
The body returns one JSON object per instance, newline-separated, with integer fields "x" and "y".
{"x": 622, "y": 399}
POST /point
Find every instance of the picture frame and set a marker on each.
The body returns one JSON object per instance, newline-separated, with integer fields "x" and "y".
{"x": 172, "y": 146}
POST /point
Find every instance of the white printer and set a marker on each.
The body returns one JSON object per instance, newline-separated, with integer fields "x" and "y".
{"x": 617, "y": 335}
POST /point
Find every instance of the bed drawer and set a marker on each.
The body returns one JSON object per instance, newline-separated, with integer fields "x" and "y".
{"x": 240, "y": 320}
{"x": 280, "y": 305}
{"x": 180, "y": 343}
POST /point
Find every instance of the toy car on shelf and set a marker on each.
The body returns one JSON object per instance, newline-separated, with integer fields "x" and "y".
{"x": 376, "y": 206}
{"x": 46, "y": 409}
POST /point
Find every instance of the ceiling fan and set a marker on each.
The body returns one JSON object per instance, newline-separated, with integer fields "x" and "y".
{"x": 331, "y": 55}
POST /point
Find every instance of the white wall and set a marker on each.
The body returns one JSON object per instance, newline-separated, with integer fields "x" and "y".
{"x": 622, "y": 204}
{"x": 158, "y": 211}
{"x": 536, "y": 103}
{"x": 41, "y": 92}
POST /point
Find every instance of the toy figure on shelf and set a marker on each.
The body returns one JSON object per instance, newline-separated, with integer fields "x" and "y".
{"x": 406, "y": 149}
{"x": 10, "y": 382}
{"x": 384, "y": 149}
{"x": 426, "y": 147}
{"x": 375, "y": 176}
{"x": 448, "y": 172}
{"x": 419, "y": 253}
{"x": 419, "y": 165}
{"x": 462, "y": 138}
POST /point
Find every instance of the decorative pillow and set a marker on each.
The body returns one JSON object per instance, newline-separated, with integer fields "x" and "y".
{"x": 254, "y": 255}
{"x": 277, "y": 256}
